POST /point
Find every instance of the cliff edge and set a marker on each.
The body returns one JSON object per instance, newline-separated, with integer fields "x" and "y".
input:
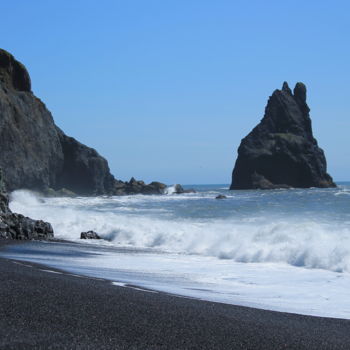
{"x": 36, "y": 154}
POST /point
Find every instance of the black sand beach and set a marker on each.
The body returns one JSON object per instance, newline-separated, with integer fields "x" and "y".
{"x": 45, "y": 310}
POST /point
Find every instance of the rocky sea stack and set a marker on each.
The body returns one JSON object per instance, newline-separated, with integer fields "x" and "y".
{"x": 36, "y": 154}
{"x": 281, "y": 152}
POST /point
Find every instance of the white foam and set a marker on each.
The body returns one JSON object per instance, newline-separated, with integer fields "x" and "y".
{"x": 298, "y": 241}
{"x": 279, "y": 287}
{"x": 170, "y": 190}
{"x": 119, "y": 284}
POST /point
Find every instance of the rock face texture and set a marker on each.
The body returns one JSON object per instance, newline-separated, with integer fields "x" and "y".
{"x": 36, "y": 154}
{"x": 17, "y": 226}
{"x": 281, "y": 152}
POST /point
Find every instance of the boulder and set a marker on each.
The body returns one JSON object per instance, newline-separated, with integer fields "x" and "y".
{"x": 179, "y": 189}
{"x": 89, "y": 235}
{"x": 281, "y": 152}
{"x": 220, "y": 196}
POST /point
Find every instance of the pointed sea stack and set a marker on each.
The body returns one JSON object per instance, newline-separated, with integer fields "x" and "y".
{"x": 281, "y": 152}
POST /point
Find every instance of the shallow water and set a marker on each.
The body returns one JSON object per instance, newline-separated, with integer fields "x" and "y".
{"x": 286, "y": 250}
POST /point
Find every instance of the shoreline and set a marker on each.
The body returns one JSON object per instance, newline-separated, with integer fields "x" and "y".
{"x": 61, "y": 310}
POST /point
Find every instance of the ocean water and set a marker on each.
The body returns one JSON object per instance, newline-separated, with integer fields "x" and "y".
{"x": 284, "y": 250}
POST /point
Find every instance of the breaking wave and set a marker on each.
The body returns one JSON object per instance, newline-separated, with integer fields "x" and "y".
{"x": 300, "y": 239}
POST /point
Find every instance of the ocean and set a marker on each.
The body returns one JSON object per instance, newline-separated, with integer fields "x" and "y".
{"x": 283, "y": 250}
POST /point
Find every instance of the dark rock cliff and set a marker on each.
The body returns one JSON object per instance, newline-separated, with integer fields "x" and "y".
{"x": 36, "y": 154}
{"x": 281, "y": 152}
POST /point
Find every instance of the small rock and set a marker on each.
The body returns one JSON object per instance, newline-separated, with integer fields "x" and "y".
{"x": 220, "y": 196}
{"x": 179, "y": 189}
{"x": 89, "y": 235}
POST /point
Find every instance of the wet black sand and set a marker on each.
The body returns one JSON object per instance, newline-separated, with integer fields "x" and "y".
{"x": 44, "y": 310}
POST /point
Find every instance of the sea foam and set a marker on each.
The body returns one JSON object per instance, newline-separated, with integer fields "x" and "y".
{"x": 172, "y": 224}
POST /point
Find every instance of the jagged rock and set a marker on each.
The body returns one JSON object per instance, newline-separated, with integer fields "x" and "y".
{"x": 17, "y": 226}
{"x": 281, "y": 152}
{"x": 135, "y": 187}
{"x": 13, "y": 74}
{"x": 220, "y": 196}
{"x": 4, "y": 203}
{"x": 154, "y": 188}
{"x": 89, "y": 235}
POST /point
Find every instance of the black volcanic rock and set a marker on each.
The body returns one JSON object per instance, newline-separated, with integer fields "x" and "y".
{"x": 178, "y": 189}
{"x": 36, "y": 154}
{"x": 84, "y": 170}
{"x": 89, "y": 235}
{"x": 138, "y": 187}
{"x": 220, "y": 196}
{"x": 281, "y": 152}
{"x": 13, "y": 74}
{"x": 17, "y": 226}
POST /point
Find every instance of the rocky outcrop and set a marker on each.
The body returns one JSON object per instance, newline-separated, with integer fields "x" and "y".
{"x": 281, "y": 152}
{"x": 17, "y": 226}
{"x": 138, "y": 186}
{"x": 36, "y": 154}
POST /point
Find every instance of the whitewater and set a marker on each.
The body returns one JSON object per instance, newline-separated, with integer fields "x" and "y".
{"x": 283, "y": 250}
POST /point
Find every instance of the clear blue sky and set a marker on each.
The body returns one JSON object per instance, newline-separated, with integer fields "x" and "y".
{"x": 165, "y": 90}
